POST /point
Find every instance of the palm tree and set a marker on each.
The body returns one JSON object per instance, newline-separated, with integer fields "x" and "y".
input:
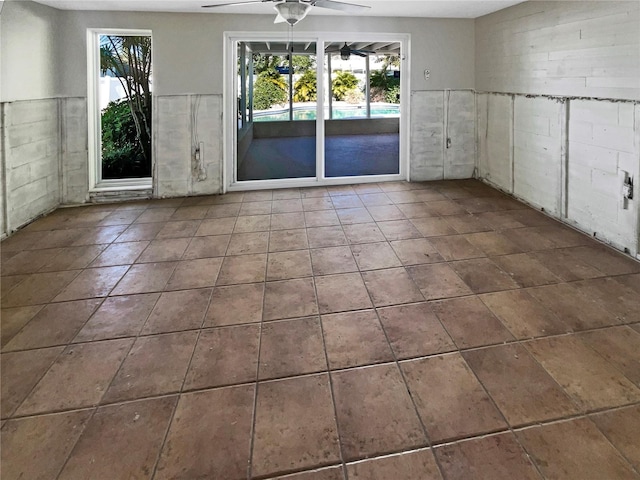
{"x": 128, "y": 58}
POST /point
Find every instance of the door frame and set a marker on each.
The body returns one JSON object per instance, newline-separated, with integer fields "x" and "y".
{"x": 96, "y": 182}
{"x": 230, "y": 88}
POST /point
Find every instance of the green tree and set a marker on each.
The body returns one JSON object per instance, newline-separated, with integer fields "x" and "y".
{"x": 270, "y": 89}
{"x": 306, "y": 88}
{"x": 342, "y": 83}
{"x": 128, "y": 58}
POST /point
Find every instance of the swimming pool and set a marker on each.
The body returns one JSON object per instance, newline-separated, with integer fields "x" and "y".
{"x": 339, "y": 112}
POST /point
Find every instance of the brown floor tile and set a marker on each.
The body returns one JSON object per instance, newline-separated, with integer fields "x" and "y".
{"x": 630, "y": 281}
{"x": 415, "y": 210}
{"x": 124, "y": 253}
{"x": 620, "y": 346}
{"x": 252, "y": 223}
{"x": 55, "y": 324}
{"x": 576, "y": 311}
{"x": 373, "y": 199}
{"x": 493, "y": 243}
{"x": 155, "y": 215}
{"x": 606, "y": 259}
{"x": 417, "y": 465}
{"x": 323, "y": 218}
{"x": 523, "y": 315}
{"x": 525, "y": 270}
{"x": 206, "y": 247}
{"x": 288, "y": 265}
{"x": 445, "y": 208}
{"x": 347, "y": 201}
{"x": 9, "y": 283}
{"x": 332, "y": 260}
{"x": 224, "y": 356}
{"x": 438, "y": 281}
{"x": 326, "y": 237}
{"x": 248, "y": 243}
{"x": 286, "y": 206}
{"x": 72, "y": 258}
{"x": 220, "y": 435}
{"x": 483, "y": 276}
{"x": 451, "y": 402}
{"x": 235, "y": 304}
{"x": 286, "y": 194}
{"x": 118, "y": 317}
{"x": 121, "y": 441}
{"x": 363, "y": 233}
{"x": 176, "y": 311}
{"x": 190, "y": 213}
{"x": 38, "y": 288}
{"x": 470, "y": 323}
{"x": 289, "y": 299}
{"x": 350, "y": 216}
{"x": 455, "y": 247}
{"x": 498, "y": 457}
{"x": 216, "y": 226}
{"x": 164, "y": 250}
{"x": 592, "y": 382}
{"x": 284, "y": 240}
{"x": 613, "y": 297}
{"x": 375, "y": 413}
{"x": 243, "y": 269}
{"x": 433, "y": 226}
{"x": 139, "y": 232}
{"x": 20, "y": 373}
{"x": 565, "y": 265}
{"x": 391, "y": 286}
{"x": 13, "y": 319}
{"x": 523, "y": 391}
{"x": 221, "y": 211}
{"x": 149, "y": 277}
{"x": 328, "y": 473}
{"x": 199, "y": 273}
{"x": 621, "y": 427}
{"x": 155, "y": 366}
{"x": 37, "y": 447}
{"x": 291, "y": 347}
{"x": 339, "y": 293}
{"x": 316, "y": 204}
{"x": 295, "y": 426}
{"x": 416, "y": 252}
{"x": 258, "y": 196}
{"x": 414, "y": 331}
{"x": 529, "y": 239}
{"x": 287, "y": 221}
{"x": 355, "y": 338}
{"x": 404, "y": 197}
{"x": 467, "y": 223}
{"x": 28, "y": 261}
{"x": 370, "y": 256}
{"x": 94, "y": 236}
{"x": 564, "y": 236}
{"x": 186, "y": 228}
{"x": 92, "y": 282}
{"x": 384, "y": 213}
{"x": 399, "y": 230}
{"x": 574, "y": 450}
{"x": 255, "y": 208}
{"x": 78, "y": 378}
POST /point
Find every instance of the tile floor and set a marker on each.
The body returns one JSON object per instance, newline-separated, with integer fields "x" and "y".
{"x": 384, "y": 331}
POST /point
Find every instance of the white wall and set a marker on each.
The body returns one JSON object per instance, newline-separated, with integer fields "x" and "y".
{"x": 538, "y": 138}
{"x": 572, "y": 48}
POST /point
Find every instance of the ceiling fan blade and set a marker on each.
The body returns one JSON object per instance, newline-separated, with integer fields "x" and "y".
{"x": 358, "y": 53}
{"x": 232, "y": 4}
{"x": 345, "y": 7}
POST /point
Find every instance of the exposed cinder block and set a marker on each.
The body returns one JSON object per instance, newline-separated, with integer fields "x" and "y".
{"x": 494, "y": 142}
{"x": 459, "y": 158}
{"x": 427, "y": 132}
{"x": 74, "y": 150}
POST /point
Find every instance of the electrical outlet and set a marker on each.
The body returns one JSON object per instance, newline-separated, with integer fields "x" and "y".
{"x": 427, "y": 74}
{"x": 448, "y": 143}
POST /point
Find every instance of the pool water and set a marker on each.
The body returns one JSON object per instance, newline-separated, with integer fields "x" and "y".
{"x": 340, "y": 112}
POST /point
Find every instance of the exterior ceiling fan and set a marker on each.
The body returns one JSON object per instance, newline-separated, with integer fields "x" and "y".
{"x": 292, "y": 11}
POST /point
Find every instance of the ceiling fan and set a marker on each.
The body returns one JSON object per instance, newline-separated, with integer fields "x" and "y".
{"x": 292, "y": 11}
{"x": 346, "y": 52}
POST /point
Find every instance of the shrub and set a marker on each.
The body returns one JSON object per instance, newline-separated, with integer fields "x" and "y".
{"x": 392, "y": 95}
{"x": 270, "y": 89}
{"x": 122, "y": 154}
{"x": 354, "y": 96}
{"x": 342, "y": 83}
{"x": 306, "y": 88}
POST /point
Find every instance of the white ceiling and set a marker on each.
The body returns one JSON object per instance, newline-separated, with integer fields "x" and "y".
{"x": 379, "y": 8}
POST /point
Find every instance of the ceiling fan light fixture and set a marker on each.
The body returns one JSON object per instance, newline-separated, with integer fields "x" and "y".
{"x": 292, "y": 12}
{"x": 345, "y": 52}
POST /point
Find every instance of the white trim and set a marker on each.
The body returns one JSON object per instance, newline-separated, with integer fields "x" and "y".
{"x": 229, "y": 179}
{"x": 96, "y": 183}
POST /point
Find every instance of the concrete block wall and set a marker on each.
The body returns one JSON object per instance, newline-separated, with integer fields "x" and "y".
{"x": 603, "y": 146}
{"x": 436, "y": 116}
{"x": 494, "y": 115}
{"x": 182, "y": 122}
{"x": 31, "y": 134}
{"x": 73, "y": 150}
